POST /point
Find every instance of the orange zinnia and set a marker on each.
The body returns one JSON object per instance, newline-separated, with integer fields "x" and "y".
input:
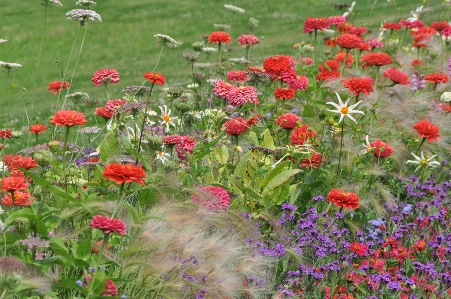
{"x": 342, "y": 198}
{"x": 68, "y": 118}
{"x": 37, "y": 128}
{"x": 275, "y": 65}
{"x": 20, "y": 199}
{"x": 219, "y": 37}
{"x": 357, "y": 85}
{"x": 156, "y": 78}
{"x": 349, "y": 41}
{"x": 124, "y": 173}
{"x": 56, "y": 86}
{"x": 284, "y": 93}
{"x": 14, "y": 183}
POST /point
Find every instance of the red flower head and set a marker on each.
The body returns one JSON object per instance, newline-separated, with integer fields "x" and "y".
{"x": 440, "y": 26}
{"x": 237, "y": 76}
{"x": 275, "y": 65}
{"x": 301, "y": 83}
{"x": 376, "y": 59}
{"x": 37, "y": 129}
{"x": 381, "y": 149}
{"x": 108, "y": 224}
{"x": 314, "y": 161}
{"x": 187, "y": 144}
{"x": 427, "y": 130}
{"x": 340, "y": 57}
{"x": 223, "y": 89}
{"x": 342, "y": 198}
{"x": 235, "y": 126}
{"x": 172, "y": 139}
{"x": 336, "y": 20}
{"x": 156, "y": 78}
{"x": 14, "y": 162}
{"x": 445, "y": 107}
{"x": 331, "y": 65}
{"x": 68, "y": 118}
{"x": 411, "y": 24}
{"x": 105, "y": 76}
{"x": 213, "y": 198}
{"x": 358, "y": 248}
{"x": 358, "y": 85}
{"x": 392, "y": 26}
{"x": 397, "y": 76}
{"x": 288, "y": 121}
{"x": 124, "y": 173}
{"x": 20, "y": 199}
{"x": 328, "y": 75}
{"x": 103, "y": 112}
{"x": 437, "y": 78}
{"x": 242, "y": 95}
{"x": 5, "y": 133}
{"x": 112, "y": 105}
{"x": 56, "y": 86}
{"x": 284, "y": 93}
{"x": 330, "y": 42}
{"x": 247, "y": 40}
{"x": 300, "y": 135}
{"x": 358, "y": 30}
{"x": 14, "y": 183}
{"x": 110, "y": 288}
{"x": 416, "y": 62}
{"x": 219, "y": 37}
{"x": 254, "y": 119}
{"x": 312, "y": 24}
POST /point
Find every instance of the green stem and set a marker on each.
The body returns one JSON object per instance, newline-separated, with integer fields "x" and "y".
{"x": 116, "y": 208}
{"x": 341, "y": 146}
{"x": 344, "y": 62}
{"x": 422, "y": 141}
{"x": 66, "y": 137}
{"x": 143, "y": 123}
{"x": 96, "y": 264}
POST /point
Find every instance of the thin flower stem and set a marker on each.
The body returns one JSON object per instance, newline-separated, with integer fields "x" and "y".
{"x": 422, "y": 141}
{"x": 341, "y": 146}
{"x": 158, "y": 60}
{"x": 116, "y": 208}
{"x": 143, "y": 123}
{"x": 97, "y": 263}
{"x": 66, "y": 137}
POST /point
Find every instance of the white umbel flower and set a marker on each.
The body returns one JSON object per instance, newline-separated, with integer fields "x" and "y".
{"x": 344, "y": 109}
{"x": 423, "y": 162}
{"x": 166, "y": 40}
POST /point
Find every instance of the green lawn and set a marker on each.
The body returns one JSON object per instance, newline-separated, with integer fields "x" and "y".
{"x": 124, "y": 40}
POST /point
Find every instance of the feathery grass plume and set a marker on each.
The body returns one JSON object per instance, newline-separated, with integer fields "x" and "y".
{"x": 185, "y": 249}
{"x": 234, "y": 9}
{"x": 166, "y": 40}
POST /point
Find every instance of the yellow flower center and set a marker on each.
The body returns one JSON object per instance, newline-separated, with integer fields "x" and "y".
{"x": 160, "y": 154}
{"x": 166, "y": 118}
{"x": 344, "y": 110}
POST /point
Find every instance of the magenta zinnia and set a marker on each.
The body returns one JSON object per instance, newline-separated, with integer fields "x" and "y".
{"x": 108, "y": 224}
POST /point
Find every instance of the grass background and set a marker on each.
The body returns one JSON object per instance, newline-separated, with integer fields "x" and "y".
{"x": 124, "y": 40}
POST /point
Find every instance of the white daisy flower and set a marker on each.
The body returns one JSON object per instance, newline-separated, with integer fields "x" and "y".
{"x": 162, "y": 156}
{"x": 167, "y": 119}
{"x": 344, "y": 109}
{"x": 367, "y": 146}
{"x": 423, "y": 162}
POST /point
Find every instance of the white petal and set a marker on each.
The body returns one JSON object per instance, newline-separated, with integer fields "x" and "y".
{"x": 351, "y": 118}
{"x": 355, "y": 105}
{"x": 335, "y": 105}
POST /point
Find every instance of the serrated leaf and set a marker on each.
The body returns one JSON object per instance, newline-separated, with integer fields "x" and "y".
{"x": 280, "y": 179}
{"x": 268, "y": 141}
{"x": 110, "y": 148}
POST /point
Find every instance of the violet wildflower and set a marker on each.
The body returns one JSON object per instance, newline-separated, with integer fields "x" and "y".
{"x": 417, "y": 81}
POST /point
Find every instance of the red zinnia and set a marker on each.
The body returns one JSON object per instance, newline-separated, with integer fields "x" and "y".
{"x": 219, "y": 37}
{"x": 237, "y": 76}
{"x": 6, "y": 133}
{"x": 314, "y": 161}
{"x": 381, "y": 149}
{"x": 376, "y": 59}
{"x": 437, "y": 78}
{"x": 300, "y": 135}
{"x": 340, "y": 57}
{"x": 112, "y": 105}
{"x": 110, "y": 288}
{"x": 235, "y": 126}
{"x": 284, "y": 93}
{"x": 392, "y": 26}
{"x": 349, "y": 41}
{"x": 16, "y": 162}
{"x": 156, "y": 78}
{"x": 397, "y": 76}
{"x": 14, "y": 183}
{"x": 103, "y": 112}
{"x": 213, "y": 198}
{"x": 20, "y": 199}
{"x": 440, "y": 26}
{"x": 427, "y": 130}
{"x": 277, "y": 64}
{"x": 358, "y": 248}
{"x": 105, "y": 76}
{"x": 336, "y": 20}
{"x": 330, "y": 65}
{"x": 186, "y": 144}
{"x": 56, "y": 86}
{"x": 108, "y": 224}
{"x": 328, "y": 75}
{"x": 172, "y": 139}
{"x": 312, "y": 24}
{"x": 358, "y": 30}
{"x": 124, "y": 173}
{"x": 342, "y": 198}
{"x": 68, "y": 118}
{"x": 37, "y": 128}
{"x": 358, "y": 85}
{"x": 445, "y": 107}
{"x": 288, "y": 121}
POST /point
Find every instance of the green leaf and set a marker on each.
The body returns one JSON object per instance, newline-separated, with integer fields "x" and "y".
{"x": 280, "y": 179}
{"x": 241, "y": 166}
{"x": 67, "y": 283}
{"x": 84, "y": 250}
{"x": 9, "y": 237}
{"x": 109, "y": 148}
{"x": 222, "y": 154}
{"x": 254, "y": 138}
{"x": 25, "y": 213}
{"x": 57, "y": 245}
{"x": 274, "y": 171}
{"x": 47, "y": 185}
{"x": 308, "y": 111}
{"x": 268, "y": 141}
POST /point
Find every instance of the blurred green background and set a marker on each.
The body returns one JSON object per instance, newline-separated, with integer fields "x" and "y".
{"x": 124, "y": 41}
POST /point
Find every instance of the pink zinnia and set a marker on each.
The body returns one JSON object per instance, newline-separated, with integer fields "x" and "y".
{"x": 213, "y": 198}
{"x": 301, "y": 83}
{"x": 223, "y": 89}
{"x": 187, "y": 144}
{"x": 237, "y": 76}
{"x": 172, "y": 139}
{"x": 374, "y": 43}
{"x": 105, "y": 76}
{"x": 112, "y": 105}
{"x": 288, "y": 121}
{"x": 336, "y": 20}
{"x": 247, "y": 40}
{"x": 243, "y": 95}
{"x": 108, "y": 224}
{"x": 397, "y": 76}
